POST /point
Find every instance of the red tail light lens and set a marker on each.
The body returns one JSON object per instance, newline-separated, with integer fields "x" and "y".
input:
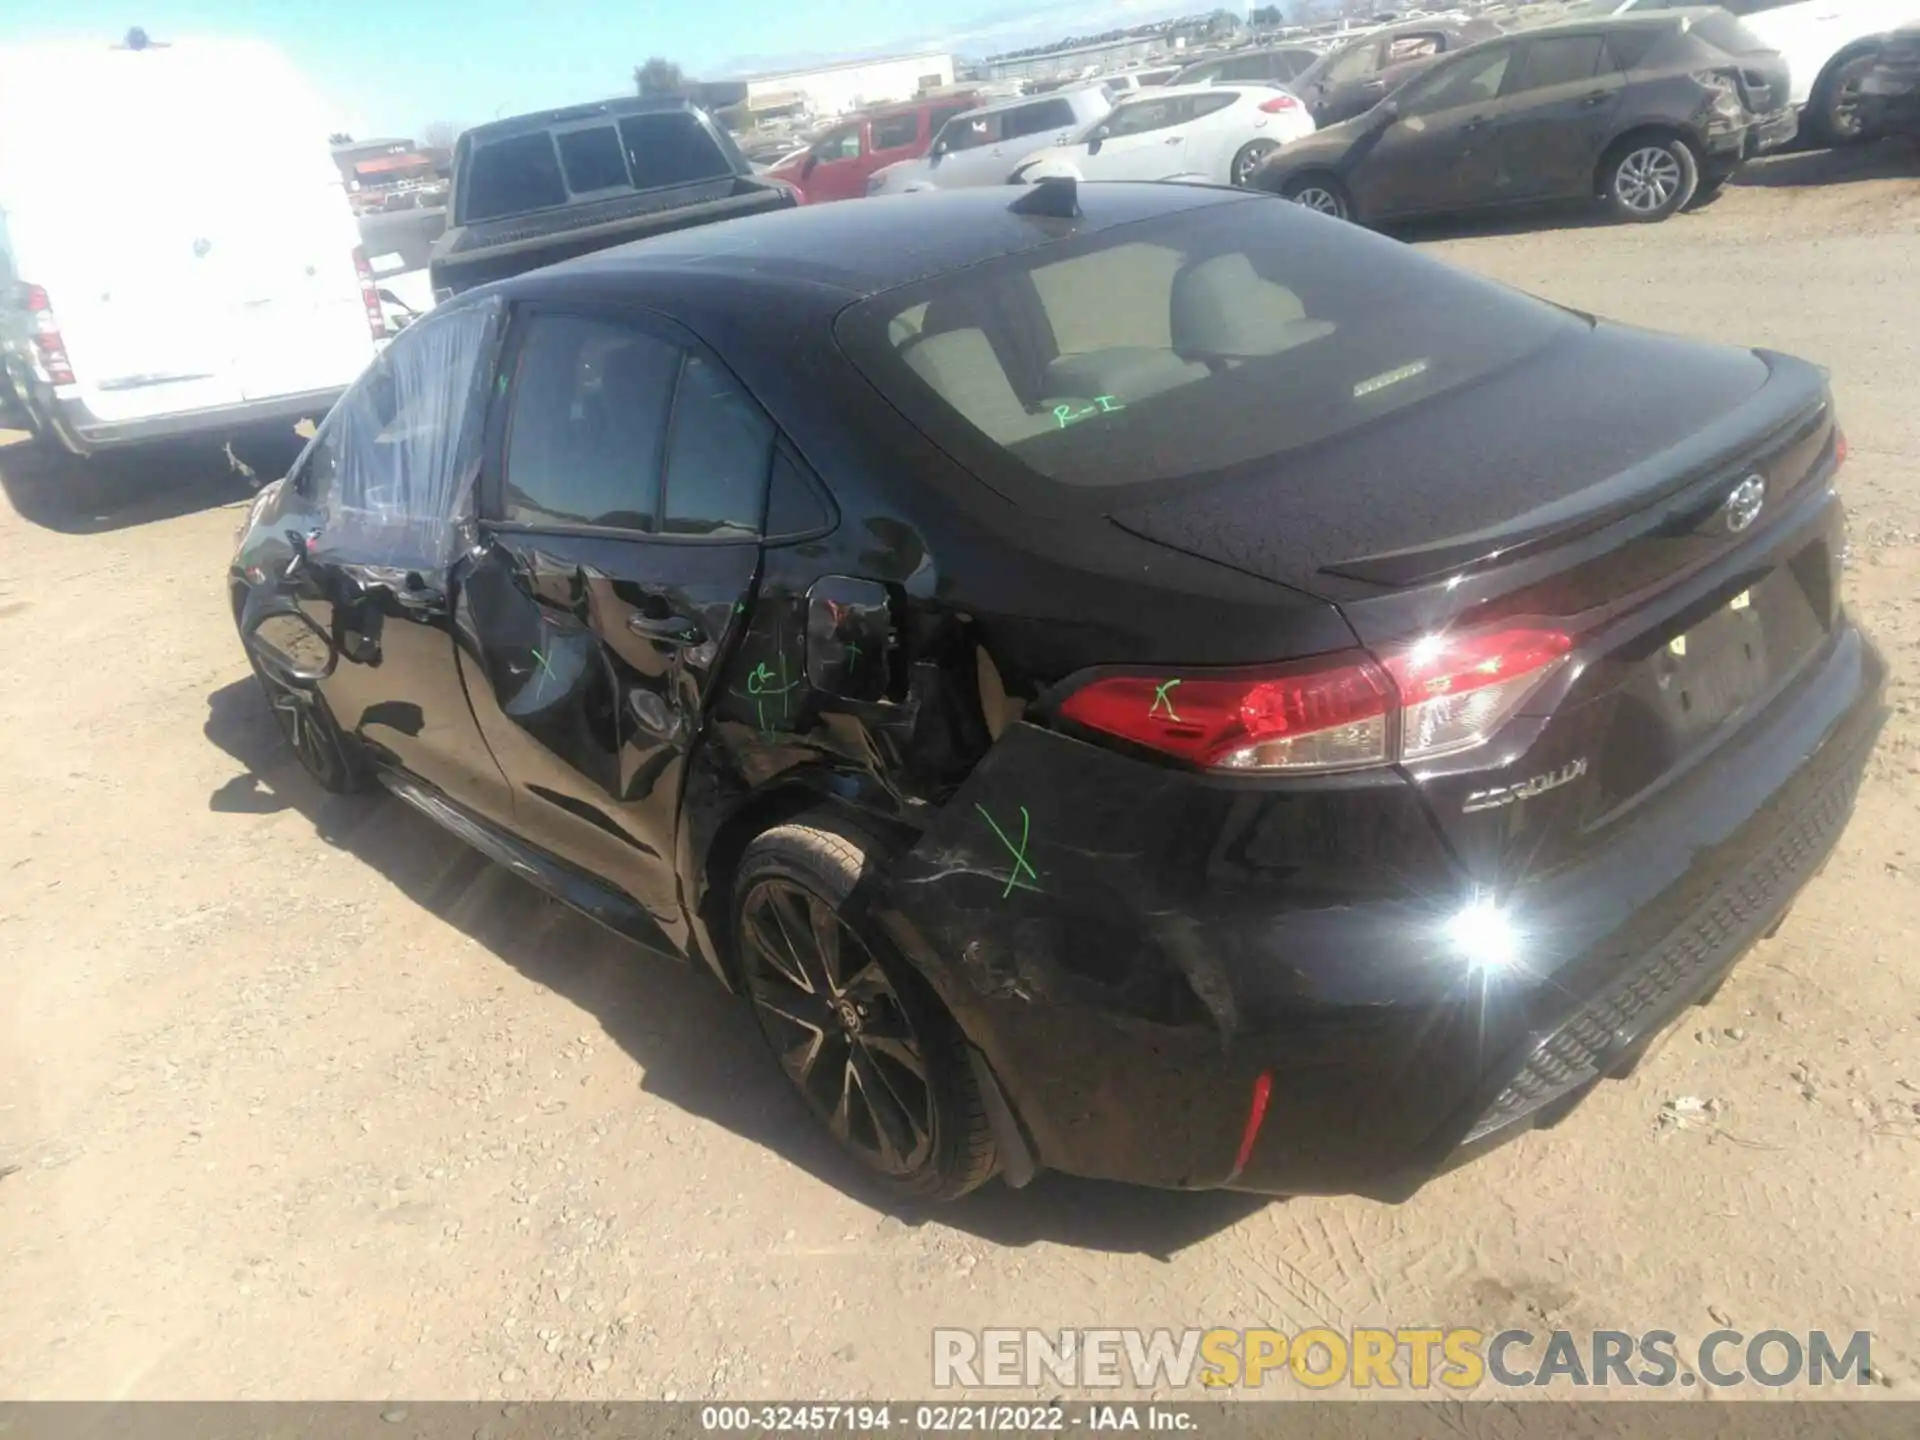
{"x": 1839, "y": 447}
{"x": 370, "y": 294}
{"x": 47, "y": 341}
{"x": 1329, "y": 714}
{"x": 1338, "y": 712}
{"x": 1279, "y": 104}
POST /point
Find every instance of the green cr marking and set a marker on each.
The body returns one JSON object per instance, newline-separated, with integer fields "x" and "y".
{"x": 1163, "y": 700}
{"x": 1019, "y": 852}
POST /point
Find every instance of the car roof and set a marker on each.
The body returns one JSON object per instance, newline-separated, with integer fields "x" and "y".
{"x": 855, "y": 250}
{"x": 1631, "y": 20}
{"x": 1219, "y": 87}
{"x": 1065, "y": 92}
{"x": 618, "y": 106}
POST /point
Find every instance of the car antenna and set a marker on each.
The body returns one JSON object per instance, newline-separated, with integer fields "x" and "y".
{"x": 1057, "y": 196}
{"x": 138, "y": 39}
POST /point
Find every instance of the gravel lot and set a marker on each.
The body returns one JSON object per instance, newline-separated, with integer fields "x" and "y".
{"x": 300, "y": 1098}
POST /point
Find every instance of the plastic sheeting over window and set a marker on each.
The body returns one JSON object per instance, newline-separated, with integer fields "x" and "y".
{"x": 393, "y": 468}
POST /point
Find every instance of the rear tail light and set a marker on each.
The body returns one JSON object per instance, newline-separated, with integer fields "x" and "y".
{"x": 1338, "y": 712}
{"x": 370, "y": 294}
{"x": 1839, "y": 447}
{"x": 1455, "y": 691}
{"x": 1279, "y": 104}
{"x": 47, "y": 342}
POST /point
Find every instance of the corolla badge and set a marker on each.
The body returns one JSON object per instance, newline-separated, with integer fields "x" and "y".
{"x": 1501, "y": 795}
{"x": 1744, "y": 503}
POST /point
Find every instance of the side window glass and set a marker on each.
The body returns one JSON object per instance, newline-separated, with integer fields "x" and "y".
{"x": 1198, "y": 105}
{"x": 794, "y": 507}
{"x": 588, "y": 424}
{"x": 893, "y": 131}
{"x": 941, "y": 116}
{"x": 1412, "y": 47}
{"x": 839, "y": 145}
{"x": 970, "y": 132}
{"x": 1471, "y": 80}
{"x": 1559, "y": 60}
{"x": 393, "y": 467}
{"x": 717, "y": 455}
{"x": 1141, "y": 117}
{"x": 1352, "y": 63}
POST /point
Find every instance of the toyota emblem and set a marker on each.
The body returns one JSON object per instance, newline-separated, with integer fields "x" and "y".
{"x": 1744, "y": 503}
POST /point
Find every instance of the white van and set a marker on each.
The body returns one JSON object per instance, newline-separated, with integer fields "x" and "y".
{"x": 177, "y": 254}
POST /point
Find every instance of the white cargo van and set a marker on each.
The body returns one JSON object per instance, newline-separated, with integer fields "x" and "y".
{"x": 177, "y": 254}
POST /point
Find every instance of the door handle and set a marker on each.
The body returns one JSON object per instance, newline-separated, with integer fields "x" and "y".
{"x": 667, "y": 629}
{"x": 1173, "y": 140}
{"x": 1475, "y": 123}
{"x": 1598, "y": 97}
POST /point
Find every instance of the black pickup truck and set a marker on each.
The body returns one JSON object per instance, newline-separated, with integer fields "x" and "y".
{"x": 535, "y": 189}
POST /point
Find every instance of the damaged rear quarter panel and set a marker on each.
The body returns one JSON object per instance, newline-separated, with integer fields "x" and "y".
{"x": 1124, "y": 941}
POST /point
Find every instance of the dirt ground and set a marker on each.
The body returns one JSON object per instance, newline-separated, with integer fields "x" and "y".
{"x": 301, "y": 1098}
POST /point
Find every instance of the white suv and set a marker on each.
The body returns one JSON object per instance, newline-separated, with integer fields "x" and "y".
{"x": 982, "y": 146}
{"x": 1827, "y": 44}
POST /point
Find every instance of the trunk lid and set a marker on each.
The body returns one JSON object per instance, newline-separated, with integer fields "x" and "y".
{"x": 1631, "y": 520}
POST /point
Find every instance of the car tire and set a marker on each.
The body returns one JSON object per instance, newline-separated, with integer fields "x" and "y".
{"x": 332, "y": 758}
{"x": 1319, "y": 192}
{"x": 1648, "y": 177}
{"x": 1832, "y": 118}
{"x": 1247, "y": 159}
{"x": 855, "y": 1028}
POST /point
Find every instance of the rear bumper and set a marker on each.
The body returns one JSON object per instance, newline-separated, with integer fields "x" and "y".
{"x": 1769, "y": 132}
{"x": 85, "y": 431}
{"x": 1179, "y": 940}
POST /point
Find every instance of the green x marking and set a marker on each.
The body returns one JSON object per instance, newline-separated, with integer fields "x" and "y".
{"x": 1019, "y": 852}
{"x": 1163, "y": 700}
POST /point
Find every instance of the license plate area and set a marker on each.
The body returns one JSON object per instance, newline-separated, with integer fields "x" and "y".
{"x": 1708, "y": 673}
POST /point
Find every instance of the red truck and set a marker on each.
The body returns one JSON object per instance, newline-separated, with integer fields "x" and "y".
{"x": 837, "y": 164}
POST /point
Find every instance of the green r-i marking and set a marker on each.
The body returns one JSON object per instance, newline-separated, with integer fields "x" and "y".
{"x": 1019, "y": 852}
{"x": 1163, "y": 700}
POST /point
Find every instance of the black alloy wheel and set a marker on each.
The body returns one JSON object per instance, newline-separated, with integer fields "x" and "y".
{"x": 1834, "y": 117}
{"x": 838, "y": 1027}
{"x": 854, "y": 1028}
{"x": 311, "y": 732}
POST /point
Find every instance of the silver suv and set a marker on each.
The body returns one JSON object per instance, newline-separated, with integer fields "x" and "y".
{"x": 982, "y": 146}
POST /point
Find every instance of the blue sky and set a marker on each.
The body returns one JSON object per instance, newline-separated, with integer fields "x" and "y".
{"x": 390, "y": 66}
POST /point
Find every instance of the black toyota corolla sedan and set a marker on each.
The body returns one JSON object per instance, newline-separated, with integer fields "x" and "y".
{"x": 1142, "y": 680}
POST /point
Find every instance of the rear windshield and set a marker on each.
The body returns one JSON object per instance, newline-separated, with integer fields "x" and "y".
{"x": 525, "y": 172}
{"x": 1728, "y": 35}
{"x": 1182, "y": 347}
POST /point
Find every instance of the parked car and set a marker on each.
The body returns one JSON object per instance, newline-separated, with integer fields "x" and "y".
{"x": 138, "y": 304}
{"x": 539, "y": 188}
{"x": 1828, "y": 44}
{"x": 1198, "y": 695}
{"x": 1356, "y": 76}
{"x": 982, "y": 146}
{"x": 1282, "y": 64}
{"x": 838, "y": 163}
{"x": 1890, "y": 90}
{"x": 1640, "y": 111}
{"x": 1216, "y": 133}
